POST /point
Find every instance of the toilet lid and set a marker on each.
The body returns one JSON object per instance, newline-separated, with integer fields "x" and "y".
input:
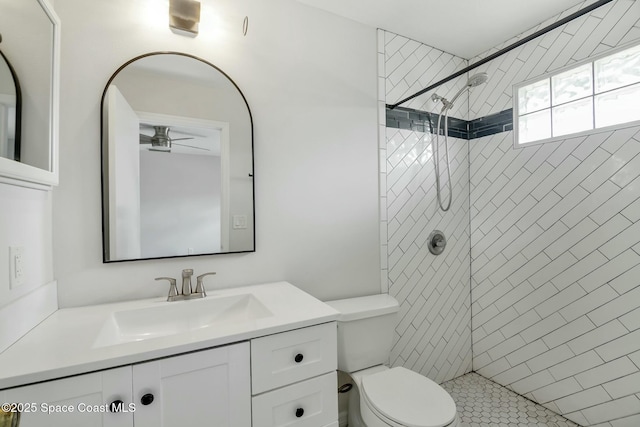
{"x": 408, "y": 398}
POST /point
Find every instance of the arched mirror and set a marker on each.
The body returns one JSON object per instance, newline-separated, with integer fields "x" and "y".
{"x": 177, "y": 161}
{"x": 10, "y": 110}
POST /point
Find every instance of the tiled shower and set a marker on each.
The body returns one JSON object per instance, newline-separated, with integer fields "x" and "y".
{"x": 539, "y": 287}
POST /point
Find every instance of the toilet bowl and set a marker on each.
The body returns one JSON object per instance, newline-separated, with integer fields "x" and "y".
{"x": 399, "y": 397}
{"x": 382, "y": 396}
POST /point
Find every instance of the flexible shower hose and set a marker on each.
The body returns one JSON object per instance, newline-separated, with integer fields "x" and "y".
{"x": 444, "y": 110}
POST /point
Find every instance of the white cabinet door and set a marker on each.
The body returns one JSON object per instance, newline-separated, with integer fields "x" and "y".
{"x": 205, "y": 388}
{"x": 79, "y": 401}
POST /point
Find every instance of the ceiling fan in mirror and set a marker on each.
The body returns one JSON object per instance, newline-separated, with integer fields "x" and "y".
{"x": 161, "y": 141}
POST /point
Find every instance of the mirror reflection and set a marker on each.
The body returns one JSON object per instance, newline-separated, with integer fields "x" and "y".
{"x": 9, "y": 111}
{"x": 26, "y": 109}
{"x": 177, "y": 161}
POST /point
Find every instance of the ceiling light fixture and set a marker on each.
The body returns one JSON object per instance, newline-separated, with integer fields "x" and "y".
{"x": 184, "y": 17}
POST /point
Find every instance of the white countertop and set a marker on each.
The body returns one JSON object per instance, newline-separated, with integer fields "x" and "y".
{"x": 65, "y": 343}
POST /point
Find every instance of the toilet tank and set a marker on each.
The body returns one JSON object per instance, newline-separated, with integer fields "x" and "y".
{"x": 365, "y": 330}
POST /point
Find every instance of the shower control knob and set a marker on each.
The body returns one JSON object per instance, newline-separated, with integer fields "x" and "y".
{"x": 437, "y": 242}
{"x": 298, "y": 358}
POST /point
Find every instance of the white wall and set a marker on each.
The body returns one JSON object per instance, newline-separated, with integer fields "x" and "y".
{"x": 556, "y": 242}
{"x": 433, "y": 335}
{"x": 7, "y": 85}
{"x": 179, "y": 203}
{"x": 25, "y": 221}
{"x": 309, "y": 80}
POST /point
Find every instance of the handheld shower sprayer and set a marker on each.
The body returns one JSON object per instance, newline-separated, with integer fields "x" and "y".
{"x": 474, "y": 80}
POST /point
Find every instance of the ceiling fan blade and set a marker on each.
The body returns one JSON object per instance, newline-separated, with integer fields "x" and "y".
{"x": 180, "y": 130}
{"x": 191, "y": 146}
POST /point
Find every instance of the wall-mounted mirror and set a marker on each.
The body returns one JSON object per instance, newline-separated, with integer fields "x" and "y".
{"x": 177, "y": 161}
{"x": 29, "y": 33}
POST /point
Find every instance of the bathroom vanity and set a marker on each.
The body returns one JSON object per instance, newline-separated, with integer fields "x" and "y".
{"x": 256, "y": 356}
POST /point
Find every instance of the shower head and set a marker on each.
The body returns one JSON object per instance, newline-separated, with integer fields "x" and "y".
{"x": 475, "y": 80}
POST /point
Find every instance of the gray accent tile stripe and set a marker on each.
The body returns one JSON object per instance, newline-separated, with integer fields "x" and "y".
{"x": 424, "y": 121}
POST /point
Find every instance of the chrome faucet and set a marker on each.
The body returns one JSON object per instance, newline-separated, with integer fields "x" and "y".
{"x": 186, "y": 281}
{"x": 187, "y": 290}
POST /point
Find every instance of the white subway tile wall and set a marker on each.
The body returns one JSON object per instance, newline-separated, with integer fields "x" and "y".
{"x": 556, "y": 256}
{"x": 612, "y": 25}
{"x": 433, "y": 335}
{"x": 554, "y": 234}
{"x": 433, "y": 332}
{"x": 410, "y": 66}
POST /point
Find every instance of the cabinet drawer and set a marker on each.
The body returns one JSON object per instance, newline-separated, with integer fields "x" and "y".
{"x": 309, "y": 403}
{"x": 281, "y": 359}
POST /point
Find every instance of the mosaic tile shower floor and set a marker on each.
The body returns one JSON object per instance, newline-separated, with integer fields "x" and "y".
{"x": 483, "y": 403}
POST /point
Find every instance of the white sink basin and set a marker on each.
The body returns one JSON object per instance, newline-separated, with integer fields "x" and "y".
{"x": 170, "y": 318}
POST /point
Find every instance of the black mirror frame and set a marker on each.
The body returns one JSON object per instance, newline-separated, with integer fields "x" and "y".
{"x": 16, "y": 83}
{"x": 104, "y": 157}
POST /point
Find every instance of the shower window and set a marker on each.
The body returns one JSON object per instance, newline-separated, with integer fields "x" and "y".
{"x": 590, "y": 95}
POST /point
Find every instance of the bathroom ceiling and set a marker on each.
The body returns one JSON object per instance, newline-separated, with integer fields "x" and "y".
{"x": 464, "y": 28}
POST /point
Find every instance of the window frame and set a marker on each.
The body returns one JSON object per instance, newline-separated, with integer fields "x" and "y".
{"x": 549, "y": 76}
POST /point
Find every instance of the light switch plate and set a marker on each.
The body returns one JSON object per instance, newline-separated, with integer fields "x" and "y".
{"x": 239, "y": 222}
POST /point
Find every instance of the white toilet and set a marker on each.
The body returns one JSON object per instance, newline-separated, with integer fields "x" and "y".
{"x": 384, "y": 397}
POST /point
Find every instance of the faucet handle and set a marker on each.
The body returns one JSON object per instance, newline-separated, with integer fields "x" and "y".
{"x": 200, "y": 285}
{"x": 173, "y": 288}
